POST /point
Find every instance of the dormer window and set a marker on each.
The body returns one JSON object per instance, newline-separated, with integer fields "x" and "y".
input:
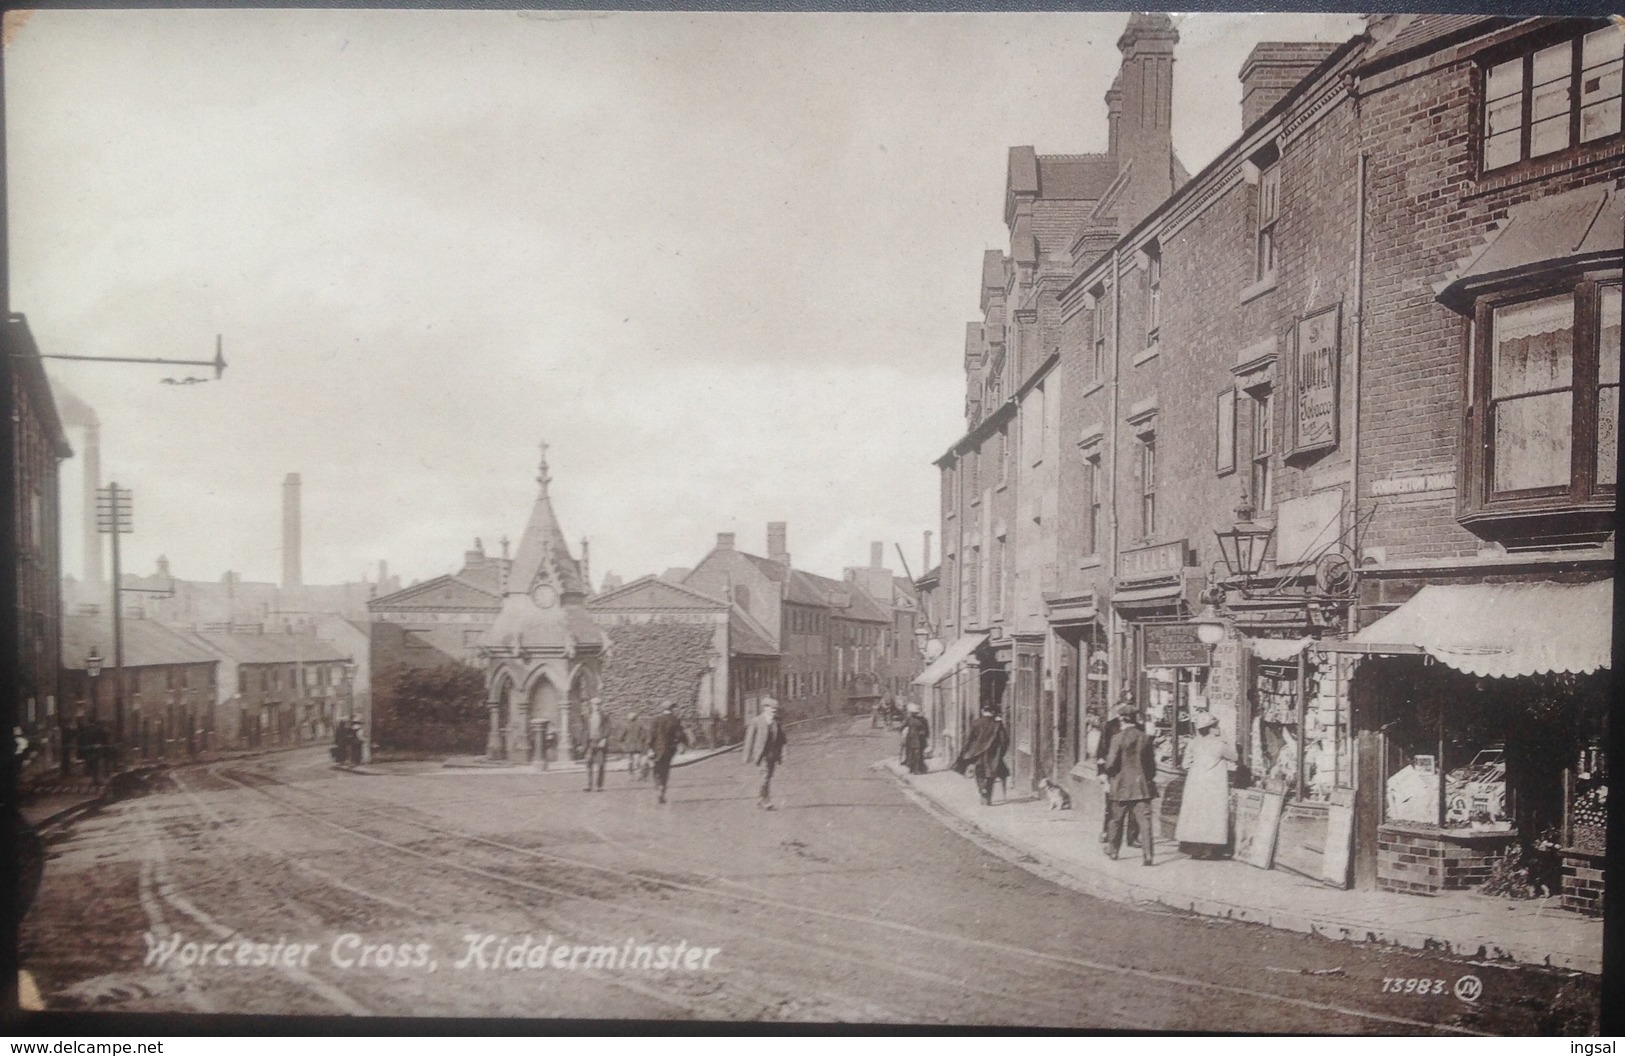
{"x": 1552, "y": 98}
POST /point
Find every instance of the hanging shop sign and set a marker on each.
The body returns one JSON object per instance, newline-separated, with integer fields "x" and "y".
{"x": 1308, "y": 525}
{"x": 1173, "y": 645}
{"x": 1315, "y": 368}
{"x": 1151, "y": 562}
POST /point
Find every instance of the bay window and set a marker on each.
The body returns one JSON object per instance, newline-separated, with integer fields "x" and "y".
{"x": 1544, "y": 408}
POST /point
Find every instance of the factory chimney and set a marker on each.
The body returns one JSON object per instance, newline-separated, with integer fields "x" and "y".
{"x": 291, "y": 575}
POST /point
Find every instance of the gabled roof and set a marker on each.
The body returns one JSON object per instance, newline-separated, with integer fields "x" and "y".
{"x": 806, "y": 589}
{"x": 745, "y": 640}
{"x": 821, "y": 590}
{"x": 272, "y": 648}
{"x": 1082, "y": 177}
{"x": 439, "y": 594}
{"x": 653, "y": 592}
{"x": 146, "y": 644}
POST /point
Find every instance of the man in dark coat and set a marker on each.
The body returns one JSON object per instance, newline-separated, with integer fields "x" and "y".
{"x": 985, "y": 746}
{"x": 598, "y": 735}
{"x": 1108, "y": 733}
{"x": 764, "y": 747}
{"x": 1131, "y": 765}
{"x": 664, "y": 739}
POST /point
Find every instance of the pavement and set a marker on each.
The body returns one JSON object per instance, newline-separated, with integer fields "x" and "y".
{"x": 1065, "y": 845}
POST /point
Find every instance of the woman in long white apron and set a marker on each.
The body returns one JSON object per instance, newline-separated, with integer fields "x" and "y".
{"x": 1204, "y": 807}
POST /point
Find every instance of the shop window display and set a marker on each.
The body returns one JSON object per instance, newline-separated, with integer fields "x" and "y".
{"x": 1320, "y": 744}
{"x": 1173, "y": 696}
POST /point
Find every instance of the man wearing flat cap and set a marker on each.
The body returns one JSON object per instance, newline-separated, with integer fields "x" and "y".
{"x": 764, "y": 747}
{"x": 1130, "y": 767}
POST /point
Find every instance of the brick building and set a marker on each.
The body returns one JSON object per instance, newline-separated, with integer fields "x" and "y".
{"x": 842, "y": 643}
{"x": 171, "y": 684}
{"x": 37, "y": 447}
{"x": 276, "y": 688}
{"x": 1291, "y": 328}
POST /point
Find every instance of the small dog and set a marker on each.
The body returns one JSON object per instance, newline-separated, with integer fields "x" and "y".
{"x": 1058, "y": 797}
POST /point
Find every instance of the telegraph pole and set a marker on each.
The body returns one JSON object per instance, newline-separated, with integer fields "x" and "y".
{"x": 113, "y": 518}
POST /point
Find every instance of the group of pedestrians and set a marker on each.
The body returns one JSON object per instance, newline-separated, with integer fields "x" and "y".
{"x": 1128, "y": 768}
{"x": 347, "y": 742}
{"x": 651, "y": 747}
{"x": 94, "y": 744}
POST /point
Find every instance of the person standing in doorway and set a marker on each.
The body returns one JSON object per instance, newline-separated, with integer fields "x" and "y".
{"x": 1130, "y": 766}
{"x": 764, "y": 747}
{"x": 597, "y": 744}
{"x": 664, "y": 739}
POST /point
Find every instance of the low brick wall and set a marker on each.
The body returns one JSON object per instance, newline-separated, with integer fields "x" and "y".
{"x": 1583, "y": 882}
{"x": 1426, "y": 862}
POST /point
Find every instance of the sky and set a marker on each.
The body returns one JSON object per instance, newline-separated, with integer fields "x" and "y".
{"x": 720, "y": 263}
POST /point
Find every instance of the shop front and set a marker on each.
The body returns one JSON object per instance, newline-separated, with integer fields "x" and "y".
{"x": 1080, "y": 686}
{"x": 949, "y": 684}
{"x": 1478, "y": 713}
{"x": 1164, "y": 665}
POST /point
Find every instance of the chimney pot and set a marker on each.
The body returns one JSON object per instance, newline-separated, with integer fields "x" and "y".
{"x": 877, "y": 555}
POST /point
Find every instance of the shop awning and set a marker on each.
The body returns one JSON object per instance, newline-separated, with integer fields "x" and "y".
{"x": 951, "y": 657}
{"x": 1502, "y": 630}
{"x": 1277, "y": 649}
{"x": 1149, "y": 595}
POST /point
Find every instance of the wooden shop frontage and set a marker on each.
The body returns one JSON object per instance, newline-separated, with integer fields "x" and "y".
{"x": 1479, "y": 713}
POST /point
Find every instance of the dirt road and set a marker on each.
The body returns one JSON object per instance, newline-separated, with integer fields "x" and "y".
{"x": 281, "y": 885}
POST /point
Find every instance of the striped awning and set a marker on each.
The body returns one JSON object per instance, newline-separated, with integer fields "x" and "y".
{"x": 1501, "y": 630}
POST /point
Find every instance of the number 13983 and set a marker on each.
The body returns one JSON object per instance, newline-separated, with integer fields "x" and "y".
{"x": 1415, "y": 986}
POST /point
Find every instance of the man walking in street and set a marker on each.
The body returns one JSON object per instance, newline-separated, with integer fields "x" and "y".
{"x": 764, "y": 747}
{"x": 1130, "y": 767}
{"x": 984, "y": 749}
{"x": 597, "y": 743}
{"x": 664, "y": 740}
{"x": 1108, "y": 734}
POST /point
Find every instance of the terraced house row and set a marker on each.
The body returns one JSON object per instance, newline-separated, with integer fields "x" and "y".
{"x": 1320, "y": 440}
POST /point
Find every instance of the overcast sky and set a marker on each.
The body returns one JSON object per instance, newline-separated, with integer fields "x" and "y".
{"x": 722, "y": 263}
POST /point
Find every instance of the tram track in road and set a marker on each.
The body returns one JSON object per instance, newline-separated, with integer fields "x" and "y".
{"x": 668, "y": 994}
{"x": 1040, "y": 967}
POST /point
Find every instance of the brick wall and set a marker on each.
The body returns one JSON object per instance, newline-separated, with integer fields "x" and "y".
{"x": 1427, "y": 209}
{"x": 1583, "y": 882}
{"x": 1426, "y": 863}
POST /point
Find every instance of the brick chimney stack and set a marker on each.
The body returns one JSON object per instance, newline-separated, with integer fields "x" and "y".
{"x": 1145, "y": 129}
{"x": 725, "y": 540}
{"x": 777, "y": 542}
{"x": 1274, "y": 68}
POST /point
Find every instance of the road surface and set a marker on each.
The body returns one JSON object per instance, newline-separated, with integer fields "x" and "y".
{"x": 281, "y": 885}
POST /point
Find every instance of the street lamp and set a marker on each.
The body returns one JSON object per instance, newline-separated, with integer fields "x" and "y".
{"x": 1244, "y": 545}
{"x": 1210, "y": 626}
